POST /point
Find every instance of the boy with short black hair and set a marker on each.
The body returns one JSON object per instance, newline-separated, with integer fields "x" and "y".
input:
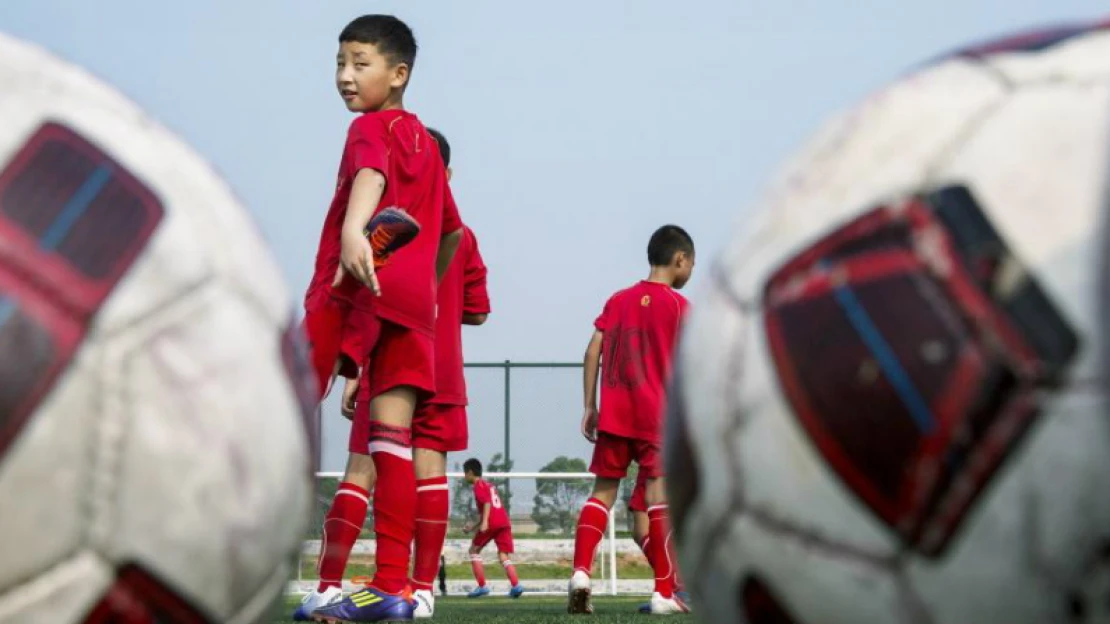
{"x": 635, "y": 335}
{"x": 493, "y": 526}
{"x": 389, "y": 159}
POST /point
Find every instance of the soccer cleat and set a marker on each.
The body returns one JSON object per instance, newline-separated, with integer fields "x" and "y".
{"x": 578, "y": 594}
{"x": 478, "y": 592}
{"x": 667, "y": 606}
{"x": 425, "y": 604}
{"x": 314, "y": 600}
{"x": 516, "y": 592}
{"x": 368, "y": 605}
{"x": 644, "y": 608}
{"x": 389, "y": 230}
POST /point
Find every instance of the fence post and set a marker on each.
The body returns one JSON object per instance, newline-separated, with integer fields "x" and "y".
{"x": 508, "y": 419}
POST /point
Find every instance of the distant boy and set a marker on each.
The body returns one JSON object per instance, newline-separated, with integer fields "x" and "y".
{"x": 493, "y": 526}
{"x": 635, "y": 335}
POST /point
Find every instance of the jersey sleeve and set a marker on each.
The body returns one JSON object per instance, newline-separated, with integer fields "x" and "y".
{"x": 601, "y": 323}
{"x": 475, "y": 294}
{"x": 367, "y": 146}
{"x": 451, "y": 219}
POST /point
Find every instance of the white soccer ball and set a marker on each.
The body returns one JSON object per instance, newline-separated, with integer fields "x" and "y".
{"x": 887, "y": 405}
{"x": 154, "y": 457}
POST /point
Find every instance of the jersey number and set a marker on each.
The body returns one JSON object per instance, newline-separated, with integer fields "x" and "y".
{"x": 494, "y": 499}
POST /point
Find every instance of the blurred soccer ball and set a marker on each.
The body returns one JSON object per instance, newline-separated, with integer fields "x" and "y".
{"x": 887, "y": 405}
{"x": 154, "y": 456}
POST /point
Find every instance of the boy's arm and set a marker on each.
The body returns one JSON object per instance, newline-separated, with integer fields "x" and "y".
{"x": 356, "y": 256}
{"x": 590, "y": 369}
{"x": 476, "y": 306}
{"x": 482, "y": 528}
{"x": 448, "y": 245}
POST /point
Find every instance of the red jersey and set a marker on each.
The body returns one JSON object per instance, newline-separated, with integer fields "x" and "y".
{"x": 462, "y": 291}
{"x": 486, "y": 493}
{"x": 397, "y": 145}
{"x": 641, "y": 326}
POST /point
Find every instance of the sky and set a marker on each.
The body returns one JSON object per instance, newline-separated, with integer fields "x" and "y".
{"x": 577, "y": 128}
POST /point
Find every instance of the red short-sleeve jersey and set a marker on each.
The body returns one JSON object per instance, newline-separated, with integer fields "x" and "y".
{"x": 397, "y": 144}
{"x": 462, "y": 291}
{"x": 486, "y": 493}
{"x": 640, "y": 326}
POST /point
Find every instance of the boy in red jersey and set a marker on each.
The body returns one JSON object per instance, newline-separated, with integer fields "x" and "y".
{"x": 389, "y": 160}
{"x": 636, "y": 335}
{"x": 493, "y": 526}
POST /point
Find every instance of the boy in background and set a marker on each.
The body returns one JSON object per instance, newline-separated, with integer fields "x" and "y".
{"x": 493, "y": 526}
{"x": 636, "y": 332}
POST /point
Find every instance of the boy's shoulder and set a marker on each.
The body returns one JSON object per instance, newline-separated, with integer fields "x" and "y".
{"x": 377, "y": 122}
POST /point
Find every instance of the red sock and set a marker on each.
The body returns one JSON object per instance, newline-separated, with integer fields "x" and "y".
{"x": 591, "y": 528}
{"x": 394, "y": 505}
{"x": 342, "y": 526}
{"x": 649, "y": 554}
{"x": 431, "y": 530}
{"x": 510, "y": 571}
{"x": 479, "y": 571}
{"x": 659, "y": 527}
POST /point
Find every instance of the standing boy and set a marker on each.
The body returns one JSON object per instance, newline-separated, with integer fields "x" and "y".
{"x": 438, "y": 426}
{"x": 636, "y": 332}
{"x": 389, "y": 160}
{"x": 493, "y": 526}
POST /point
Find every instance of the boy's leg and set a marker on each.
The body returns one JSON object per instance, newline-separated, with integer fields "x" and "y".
{"x": 401, "y": 374}
{"x": 347, "y": 514}
{"x": 504, "y": 541}
{"x": 480, "y": 541}
{"x": 395, "y": 495}
{"x": 435, "y": 432}
{"x": 610, "y": 462}
{"x": 344, "y": 520}
{"x": 659, "y": 529}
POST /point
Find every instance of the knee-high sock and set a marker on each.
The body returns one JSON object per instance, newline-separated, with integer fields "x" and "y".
{"x": 394, "y": 505}
{"x": 591, "y": 528}
{"x": 342, "y": 526}
{"x": 431, "y": 530}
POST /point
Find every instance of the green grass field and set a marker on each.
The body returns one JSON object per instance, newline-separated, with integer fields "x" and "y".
{"x": 526, "y": 610}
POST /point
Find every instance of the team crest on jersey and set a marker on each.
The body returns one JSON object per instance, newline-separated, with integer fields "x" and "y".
{"x": 646, "y": 301}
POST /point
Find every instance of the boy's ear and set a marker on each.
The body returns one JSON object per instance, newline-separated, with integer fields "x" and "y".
{"x": 449, "y": 173}
{"x": 400, "y": 76}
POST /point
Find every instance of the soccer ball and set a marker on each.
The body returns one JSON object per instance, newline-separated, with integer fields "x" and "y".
{"x": 887, "y": 405}
{"x": 155, "y": 463}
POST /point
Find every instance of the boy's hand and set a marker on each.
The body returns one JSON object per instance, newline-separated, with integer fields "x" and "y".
{"x": 356, "y": 258}
{"x": 589, "y": 424}
{"x": 484, "y": 527}
{"x": 350, "y": 391}
{"x": 467, "y": 528}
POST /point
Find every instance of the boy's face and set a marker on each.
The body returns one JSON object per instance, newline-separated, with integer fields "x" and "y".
{"x": 683, "y": 268}
{"x": 365, "y": 78}
{"x": 470, "y": 477}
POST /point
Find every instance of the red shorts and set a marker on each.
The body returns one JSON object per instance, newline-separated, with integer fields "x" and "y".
{"x": 440, "y": 428}
{"x": 613, "y": 454}
{"x": 638, "y": 502}
{"x": 503, "y": 537}
{"x": 398, "y": 356}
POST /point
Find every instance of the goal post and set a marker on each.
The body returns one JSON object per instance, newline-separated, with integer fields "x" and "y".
{"x": 548, "y": 551}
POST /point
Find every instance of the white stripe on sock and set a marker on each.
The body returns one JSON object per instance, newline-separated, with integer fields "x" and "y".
{"x": 383, "y": 446}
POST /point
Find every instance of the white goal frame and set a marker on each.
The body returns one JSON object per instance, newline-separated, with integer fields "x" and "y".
{"x": 612, "y": 531}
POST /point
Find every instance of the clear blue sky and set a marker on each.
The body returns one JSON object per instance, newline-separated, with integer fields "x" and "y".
{"x": 577, "y": 128}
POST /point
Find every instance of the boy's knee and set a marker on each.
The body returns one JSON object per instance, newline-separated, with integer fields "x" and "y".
{"x": 429, "y": 464}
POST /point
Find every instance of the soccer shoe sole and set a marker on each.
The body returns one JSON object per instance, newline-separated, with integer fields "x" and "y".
{"x": 579, "y": 602}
